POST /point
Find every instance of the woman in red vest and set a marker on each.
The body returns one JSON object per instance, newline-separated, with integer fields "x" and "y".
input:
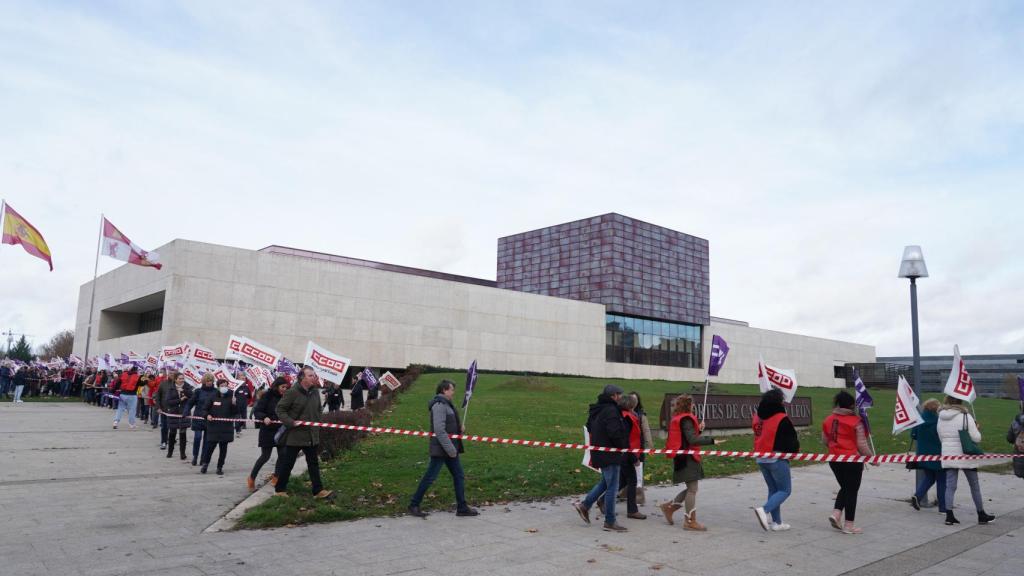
{"x": 774, "y": 432}
{"x": 844, "y": 434}
{"x": 627, "y": 473}
{"x": 684, "y": 434}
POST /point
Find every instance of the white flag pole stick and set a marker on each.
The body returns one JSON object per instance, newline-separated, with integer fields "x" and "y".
{"x": 704, "y": 406}
{"x": 464, "y": 414}
{"x": 92, "y": 298}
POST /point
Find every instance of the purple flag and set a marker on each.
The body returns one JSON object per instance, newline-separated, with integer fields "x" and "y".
{"x": 369, "y": 377}
{"x": 470, "y": 384}
{"x": 285, "y": 366}
{"x": 1020, "y": 383}
{"x": 864, "y": 400}
{"x": 719, "y": 350}
{"x": 124, "y": 358}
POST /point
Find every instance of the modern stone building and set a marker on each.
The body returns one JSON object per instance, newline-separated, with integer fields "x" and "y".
{"x": 607, "y": 296}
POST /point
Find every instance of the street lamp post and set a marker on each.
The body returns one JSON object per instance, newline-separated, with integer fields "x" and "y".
{"x": 913, "y": 267}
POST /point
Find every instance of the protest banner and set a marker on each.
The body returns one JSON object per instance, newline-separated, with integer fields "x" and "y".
{"x": 769, "y": 377}
{"x": 390, "y": 380}
{"x": 234, "y": 346}
{"x": 202, "y": 356}
{"x": 255, "y": 353}
{"x": 327, "y": 365}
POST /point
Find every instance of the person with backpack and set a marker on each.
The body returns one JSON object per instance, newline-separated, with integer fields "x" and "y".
{"x": 954, "y": 418}
{"x": 1016, "y": 437}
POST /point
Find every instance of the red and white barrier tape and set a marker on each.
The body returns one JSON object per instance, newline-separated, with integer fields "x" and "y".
{"x": 810, "y": 457}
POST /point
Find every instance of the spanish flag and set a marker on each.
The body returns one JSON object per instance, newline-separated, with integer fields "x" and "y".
{"x": 17, "y": 230}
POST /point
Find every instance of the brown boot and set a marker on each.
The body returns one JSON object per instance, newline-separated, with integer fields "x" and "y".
{"x": 250, "y": 483}
{"x": 692, "y": 524}
{"x": 668, "y": 509}
{"x": 273, "y": 479}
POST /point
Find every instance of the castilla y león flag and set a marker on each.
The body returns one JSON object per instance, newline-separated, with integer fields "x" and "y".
{"x": 960, "y": 384}
{"x": 17, "y": 230}
{"x": 117, "y": 245}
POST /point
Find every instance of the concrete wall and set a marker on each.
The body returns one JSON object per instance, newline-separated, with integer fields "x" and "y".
{"x": 383, "y": 318}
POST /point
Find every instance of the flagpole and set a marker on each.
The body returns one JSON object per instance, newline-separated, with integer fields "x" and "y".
{"x": 704, "y": 406}
{"x": 464, "y": 413}
{"x": 92, "y": 299}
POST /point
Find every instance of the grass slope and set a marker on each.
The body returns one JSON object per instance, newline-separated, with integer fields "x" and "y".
{"x": 379, "y": 476}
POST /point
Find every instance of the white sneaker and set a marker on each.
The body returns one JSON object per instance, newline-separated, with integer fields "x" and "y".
{"x": 762, "y": 517}
{"x": 115, "y": 425}
{"x": 780, "y": 527}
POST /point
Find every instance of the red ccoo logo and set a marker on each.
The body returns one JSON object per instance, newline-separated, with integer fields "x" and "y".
{"x": 327, "y": 362}
{"x": 261, "y": 355}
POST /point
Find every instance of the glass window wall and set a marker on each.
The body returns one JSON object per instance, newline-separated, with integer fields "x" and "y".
{"x": 645, "y": 341}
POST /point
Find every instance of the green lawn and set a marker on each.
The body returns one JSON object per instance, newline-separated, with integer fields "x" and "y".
{"x": 378, "y": 477}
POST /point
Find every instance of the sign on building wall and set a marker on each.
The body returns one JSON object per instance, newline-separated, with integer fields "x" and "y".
{"x": 725, "y": 411}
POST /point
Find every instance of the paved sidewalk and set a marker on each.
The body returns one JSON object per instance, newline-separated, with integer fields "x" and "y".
{"x": 79, "y": 498}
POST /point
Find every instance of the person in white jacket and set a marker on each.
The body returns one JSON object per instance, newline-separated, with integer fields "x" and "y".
{"x": 954, "y": 417}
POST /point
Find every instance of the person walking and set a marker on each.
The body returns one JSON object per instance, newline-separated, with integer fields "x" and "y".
{"x": 607, "y": 429}
{"x": 926, "y": 436}
{"x": 20, "y": 381}
{"x": 444, "y": 421}
{"x": 242, "y": 398}
{"x": 219, "y": 410}
{"x": 774, "y": 432}
{"x": 265, "y": 414}
{"x": 301, "y": 402}
{"x": 335, "y": 399}
{"x": 161, "y": 404}
{"x": 175, "y": 399}
{"x": 684, "y": 433}
{"x": 1015, "y": 436}
{"x": 647, "y": 441}
{"x": 154, "y": 412}
{"x": 357, "y": 394}
{"x": 954, "y": 418}
{"x": 196, "y": 407}
{"x": 843, "y": 432}
{"x": 628, "y": 472}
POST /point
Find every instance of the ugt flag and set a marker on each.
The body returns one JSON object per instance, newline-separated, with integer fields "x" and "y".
{"x": 470, "y": 384}
{"x": 864, "y": 400}
{"x": 769, "y": 377}
{"x": 719, "y": 350}
{"x": 905, "y": 414}
{"x": 369, "y": 377}
{"x": 959, "y": 384}
{"x": 118, "y": 246}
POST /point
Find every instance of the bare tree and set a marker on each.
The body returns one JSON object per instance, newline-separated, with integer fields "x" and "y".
{"x": 58, "y": 346}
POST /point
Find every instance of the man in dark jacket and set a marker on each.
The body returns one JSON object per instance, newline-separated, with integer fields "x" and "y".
{"x": 165, "y": 384}
{"x": 444, "y": 421}
{"x": 608, "y": 429}
{"x": 301, "y": 402}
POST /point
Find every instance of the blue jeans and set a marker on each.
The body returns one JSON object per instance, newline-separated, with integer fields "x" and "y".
{"x": 127, "y": 404}
{"x": 65, "y": 387}
{"x": 197, "y": 439}
{"x": 163, "y": 429}
{"x": 17, "y": 392}
{"x": 929, "y": 477}
{"x": 433, "y": 469}
{"x": 777, "y": 477}
{"x": 609, "y": 486}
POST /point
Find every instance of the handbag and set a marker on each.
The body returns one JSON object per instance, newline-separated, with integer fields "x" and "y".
{"x": 966, "y": 442}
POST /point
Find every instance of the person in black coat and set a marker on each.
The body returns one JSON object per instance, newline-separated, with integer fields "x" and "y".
{"x": 174, "y": 401}
{"x": 219, "y": 433}
{"x": 196, "y": 407}
{"x": 242, "y": 397}
{"x": 335, "y": 400}
{"x": 265, "y": 415}
{"x": 607, "y": 428}
{"x": 358, "y": 387}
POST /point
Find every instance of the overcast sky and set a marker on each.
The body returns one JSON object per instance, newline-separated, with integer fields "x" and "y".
{"x": 808, "y": 143}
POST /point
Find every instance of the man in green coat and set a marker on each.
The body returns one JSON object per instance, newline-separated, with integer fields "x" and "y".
{"x": 300, "y": 402}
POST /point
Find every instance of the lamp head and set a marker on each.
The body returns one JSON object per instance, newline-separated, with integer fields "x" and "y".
{"x": 913, "y": 265}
